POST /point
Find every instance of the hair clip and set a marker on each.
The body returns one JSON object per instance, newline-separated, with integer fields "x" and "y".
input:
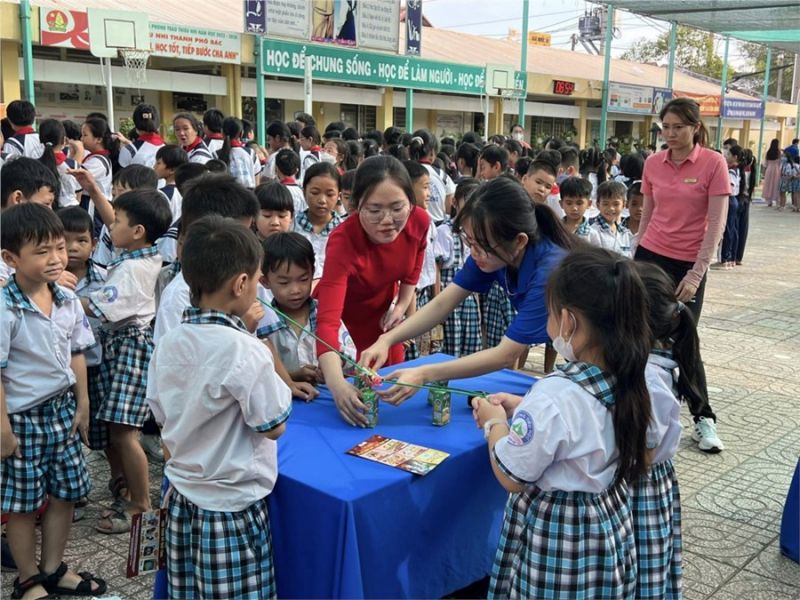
{"x": 48, "y": 144}
{"x": 147, "y": 115}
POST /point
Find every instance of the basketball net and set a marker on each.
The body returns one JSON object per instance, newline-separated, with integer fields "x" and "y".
{"x": 135, "y": 61}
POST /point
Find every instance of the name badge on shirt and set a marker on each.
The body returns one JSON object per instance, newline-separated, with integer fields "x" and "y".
{"x": 690, "y": 180}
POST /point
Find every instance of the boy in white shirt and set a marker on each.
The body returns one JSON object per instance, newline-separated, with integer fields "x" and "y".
{"x": 606, "y": 229}
{"x": 25, "y": 141}
{"x": 210, "y": 376}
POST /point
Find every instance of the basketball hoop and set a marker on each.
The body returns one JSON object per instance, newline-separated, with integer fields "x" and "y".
{"x": 135, "y": 61}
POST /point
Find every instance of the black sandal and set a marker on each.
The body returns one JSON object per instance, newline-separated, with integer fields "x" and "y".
{"x": 84, "y": 588}
{"x": 21, "y": 588}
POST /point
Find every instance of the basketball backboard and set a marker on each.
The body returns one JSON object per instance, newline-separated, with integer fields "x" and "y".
{"x": 498, "y": 78}
{"x": 111, "y": 30}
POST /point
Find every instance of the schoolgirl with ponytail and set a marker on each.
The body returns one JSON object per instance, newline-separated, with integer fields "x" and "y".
{"x": 423, "y": 148}
{"x": 567, "y": 450}
{"x": 54, "y": 138}
{"x": 242, "y": 163}
{"x": 148, "y": 141}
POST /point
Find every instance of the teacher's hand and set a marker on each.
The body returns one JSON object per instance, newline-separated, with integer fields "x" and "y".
{"x": 375, "y": 356}
{"x": 397, "y": 394}
{"x": 349, "y": 404}
{"x": 685, "y": 291}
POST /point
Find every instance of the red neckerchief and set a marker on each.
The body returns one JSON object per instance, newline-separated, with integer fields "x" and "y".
{"x": 151, "y": 137}
{"x": 60, "y": 157}
{"x": 215, "y": 136}
{"x": 288, "y": 181}
{"x": 197, "y": 141}
{"x": 555, "y": 190}
{"x": 24, "y": 130}
{"x": 425, "y": 161}
{"x": 315, "y": 149}
{"x": 341, "y": 171}
{"x": 236, "y": 144}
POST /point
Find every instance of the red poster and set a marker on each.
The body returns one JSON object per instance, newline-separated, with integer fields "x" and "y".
{"x": 64, "y": 28}
{"x": 709, "y": 105}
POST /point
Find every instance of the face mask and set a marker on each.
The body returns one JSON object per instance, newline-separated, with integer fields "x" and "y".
{"x": 517, "y": 136}
{"x": 564, "y": 347}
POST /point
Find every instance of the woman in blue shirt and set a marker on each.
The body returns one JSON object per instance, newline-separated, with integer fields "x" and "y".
{"x": 512, "y": 241}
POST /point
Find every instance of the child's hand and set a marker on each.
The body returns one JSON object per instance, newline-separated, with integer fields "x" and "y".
{"x": 349, "y": 403}
{"x": 9, "y": 445}
{"x": 67, "y": 280}
{"x": 81, "y": 422}
{"x": 84, "y": 178}
{"x": 397, "y": 394}
{"x": 304, "y": 391}
{"x": 508, "y": 401}
{"x": 253, "y": 316}
{"x": 483, "y": 410}
{"x": 307, "y": 373}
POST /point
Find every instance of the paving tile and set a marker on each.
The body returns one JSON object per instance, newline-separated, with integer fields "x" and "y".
{"x": 772, "y": 564}
{"x": 750, "y": 586}
{"x": 703, "y": 575}
{"x": 731, "y": 542}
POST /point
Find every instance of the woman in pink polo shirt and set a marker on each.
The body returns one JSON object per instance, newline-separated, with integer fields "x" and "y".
{"x": 686, "y": 189}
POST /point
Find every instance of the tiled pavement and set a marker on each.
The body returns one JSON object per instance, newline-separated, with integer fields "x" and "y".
{"x": 750, "y": 335}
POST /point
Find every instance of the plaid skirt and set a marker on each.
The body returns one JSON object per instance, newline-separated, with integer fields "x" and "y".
{"x": 497, "y": 314}
{"x": 122, "y": 381}
{"x": 98, "y": 430}
{"x": 656, "y": 506}
{"x": 412, "y": 350}
{"x": 52, "y": 461}
{"x": 462, "y": 329}
{"x": 571, "y": 545}
{"x": 214, "y": 554}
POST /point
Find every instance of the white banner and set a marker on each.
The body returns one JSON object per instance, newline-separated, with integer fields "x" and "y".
{"x": 192, "y": 43}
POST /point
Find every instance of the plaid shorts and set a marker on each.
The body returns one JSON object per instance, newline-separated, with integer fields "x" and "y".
{"x": 656, "y": 506}
{"x": 123, "y": 376}
{"x": 52, "y": 461}
{"x": 498, "y": 315}
{"x": 98, "y": 430}
{"x": 214, "y": 554}
{"x": 573, "y": 545}
{"x": 462, "y": 329}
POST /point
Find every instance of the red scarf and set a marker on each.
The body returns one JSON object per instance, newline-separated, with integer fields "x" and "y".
{"x": 425, "y": 161}
{"x": 151, "y": 137}
{"x": 315, "y": 149}
{"x": 236, "y": 143}
{"x": 215, "y": 136}
{"x": 288, "y": 181}
{"x": 60, "y": 157}
{"x": 24, "y": 130}
{"x": 197, "y": 141}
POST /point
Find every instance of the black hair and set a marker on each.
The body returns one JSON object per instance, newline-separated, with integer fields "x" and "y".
{"x": 422, "y": 144}
{"x": 354, "y": 155}
{"x": 607, "y": 291}
{"x": 391, "y": 135}
{"x": 774, "y": 151}
{"x": 548, "y": 161}
{"x": 447, "y": 148}
{"x": 471, "y": 137}
{"x": 287, "y": 162}
{"x": 375, "y": 135}
{"x": 6, "y": 128}
{"x": 592, "y": 161}
{"x": 688, "y": 111}
{"x": 187, "y": 116}
{"x": 336, "y": 125}
{"x": 369, "y": 148}
{"x": 215, "y": 250}
{"x": 287, "y": 248}
{"x": 350, "y": 134}
{"x": 609, "y": 190}
{"x": 100, "y": 129}
{"x": 635, "y": 189}
{"x": 497, "y": 139}
{"x": 501, "y": 209}
{"x": 145, "y": 118}
{"x": 28, "y": 223}
{"x": 212, "y": 119}
{"x": 348, "y": 179}
{"x": 148, "y": 208}
{"x": 674, "y": 326}
{"x": 494, "y": 154}
{"x": 294, "y": 134}
{"x": 374, "y": 171}
{"x": 186, "y": 172}
{"x": 172, "y": 155}
{"x": 21, "y": 113}
{"x": 51, "y": 134}
{"x": 569, "y": 157}
{"x": 76, "y": 220}
{"x": 217, "y": 193}
{"x": 405, "y": 139}
{"x": 735, "y": 151}
{"x": 274, "y": 196}
{"x": 632, "y": 166}
{"x": 464, "y": 190}
{"x": 731, "y": 142}
{"x": 513, "y": 147}
{"x": 232, "y": 130}
{"x": 279, "y": 130}
{"x": 26, "y": 175}
{"x": 71, "y": 129}
{"x": 97, "y": 115}
{"x": 310, "y": 132}
{"x": 135, "y": 177}
{"x": 322, "y": 169}
{"x": 415, "y": 170}
{"x": 576, "y": 187}
{"x": 215, "y": 165}
{"x": 247, "y": 128}
{"x": 399, "y": 152}
{"x": 469, "y": 153}
{"x": 523, "y": 166}
{"x": 305, "y": 119}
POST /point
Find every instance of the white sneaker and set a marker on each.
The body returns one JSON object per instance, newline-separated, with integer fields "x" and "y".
{"x": 151, "y": 444}
{"x": 705, "y": 434}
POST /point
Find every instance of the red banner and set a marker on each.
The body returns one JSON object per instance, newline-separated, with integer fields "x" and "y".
{"x": 64, "y": 28}
{"x": 709, "y": 105}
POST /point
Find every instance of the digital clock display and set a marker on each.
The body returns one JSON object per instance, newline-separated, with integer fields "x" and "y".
{"x": 563, "y": 88}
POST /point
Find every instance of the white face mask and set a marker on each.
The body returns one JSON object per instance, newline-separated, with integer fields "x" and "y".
{"x": 564, "y": 347}
{"x": 518, "y": 136}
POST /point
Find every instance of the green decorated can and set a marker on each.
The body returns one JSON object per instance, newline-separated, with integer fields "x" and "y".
{"x": 440, "y": 401}
{"x": 370, "y": 399}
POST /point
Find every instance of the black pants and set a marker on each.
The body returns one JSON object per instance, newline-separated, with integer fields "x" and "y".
{"x": 677, "y": 269}
{"x": 743, "y": 216}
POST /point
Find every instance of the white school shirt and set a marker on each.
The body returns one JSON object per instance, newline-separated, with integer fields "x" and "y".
{"x": 177, "y": 297}
{"x": 139, "y": 152}
{"x": 307, "y": 159}
{"x": 299, "y": 350}
{"x": 94, "y": 280}
{"x": 200, "y": 154}
{"x": 129, "y": 296}
{"x": 319, "y": 241}
{"x": 563, "y": 439}
{"x": 174, "y": 199}
{"x": 5, "y": 271}
{"x": 99, "y": 166}
{"x": 598, "y": 233}
{"x": 213, "y": 389}
{"x": 433, "y": 252}
{"x": 298, "y": 197}
{"x": 214, "y": 144}
{"x": 734, "y": 175}
{"x": 664, "y": 430}
{"x": 23, "y": 144}
{"x": 243, "y": 166}
{"x": 441, "y": 186}
{"x": 36, "y": 349}
{"x": 554, "y": 202}
{"x": 69, "y": 188}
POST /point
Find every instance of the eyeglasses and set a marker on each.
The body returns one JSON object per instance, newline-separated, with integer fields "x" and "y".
{"x": 476, "y": 248}
{"x": 376, "y": 215}
{"x": 675, "y": 128}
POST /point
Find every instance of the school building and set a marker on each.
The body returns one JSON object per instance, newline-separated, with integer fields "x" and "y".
{"x": 564, "y": 88}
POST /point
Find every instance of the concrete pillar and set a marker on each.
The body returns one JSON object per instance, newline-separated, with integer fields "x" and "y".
{"x": 744, "y": 137}
{"x": 782, "y": 131}
{"x": 318, "y": 110}
{"x": 384, "y": 116}
{"x": 232, "y": 102}
{"x": 496, "y": 117}
{"x": 166, "y": 109}
{"x": 580, "y": 124}
{"x": 9, "y": 66}
{"x": 431, "y": 121}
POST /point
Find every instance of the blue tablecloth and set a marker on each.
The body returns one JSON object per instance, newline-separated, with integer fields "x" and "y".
{"x": 347, "y": 527}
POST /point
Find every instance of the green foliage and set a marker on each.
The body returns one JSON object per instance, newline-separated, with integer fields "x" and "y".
{"x": 756, "y": 61}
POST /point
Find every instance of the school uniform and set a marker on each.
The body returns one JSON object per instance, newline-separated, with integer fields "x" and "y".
{"x": 311, "y": 157}
{"x": 730, "y": 237}
{"x": 99, "y": 165}
{"x": 24, "y": 142}
{"x": 5, "y": 271}
{"x": 174, "y": 198}
{"x": 243, "y": 164}
{"x": 142, "y": 151}
{"x": 126, "y": 305}
{"x": 69, "y": 186}
{"x": 165, "y": 277}
{"x": 214, "y": 142}
{"x": 319, "y": 240}
{"x": 462, "y": 329}
{"x": 598, "y": 233}
{"x": 298, "y": 197}
{"x": 441, "y": 186}
{"x": 655, "y": 498}
{"x": 198, "y": 152}
{"x": 94, "y": 280}
{"x": 570, "y": 533}
{"x": 35, "y": 354}
{"x": 299, "y": 349}
{"x": 213, "y": 389}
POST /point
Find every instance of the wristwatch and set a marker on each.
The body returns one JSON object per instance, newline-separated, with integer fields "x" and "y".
{"x": 487, "y": 427}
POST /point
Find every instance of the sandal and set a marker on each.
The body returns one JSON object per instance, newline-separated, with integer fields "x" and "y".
{"x": 21, "y": 587}
{"x": 117, "y": 485}
{"x": 84, "y": 588}
{"x": 119, "y": 504}
{"x": 120, "y": 521}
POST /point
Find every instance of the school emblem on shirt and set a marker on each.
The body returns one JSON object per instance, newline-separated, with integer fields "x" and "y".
{"x": 109, "y": 293}
{"x": 521, "y": 431}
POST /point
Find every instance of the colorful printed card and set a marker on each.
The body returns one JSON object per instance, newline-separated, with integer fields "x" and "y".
{"x": 402, "y": 455}
{"x": 146, "y": 552}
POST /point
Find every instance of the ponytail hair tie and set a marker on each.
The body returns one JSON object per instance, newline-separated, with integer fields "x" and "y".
{"x": 679, "y": 307}
{"x": 48, "y": 144}
{"x": 147, "y": 115}
{"x": 417, "y": 139}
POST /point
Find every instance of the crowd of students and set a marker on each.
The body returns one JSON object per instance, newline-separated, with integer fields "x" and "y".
{"x": 177, "y": 287}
